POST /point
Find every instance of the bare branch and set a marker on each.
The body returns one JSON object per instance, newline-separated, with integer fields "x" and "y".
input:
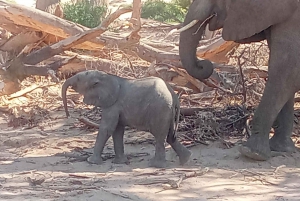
{"x": 67, "y": 43}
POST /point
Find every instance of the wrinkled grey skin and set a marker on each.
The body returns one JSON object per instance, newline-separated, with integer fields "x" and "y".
{"x": 147, "y": 104}
{"x": 246, "y": 21}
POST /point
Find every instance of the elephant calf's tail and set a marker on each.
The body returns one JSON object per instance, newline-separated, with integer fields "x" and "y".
{"x": 171, "y": 138}
{"x": 64, "y": 95}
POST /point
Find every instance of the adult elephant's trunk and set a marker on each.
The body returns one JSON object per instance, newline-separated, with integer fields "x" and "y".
{"x": 68, "y": 82}
{"x": 189, "y": 40}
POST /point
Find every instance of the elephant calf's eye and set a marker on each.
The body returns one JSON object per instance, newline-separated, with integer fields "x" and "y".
{"x": 95, "y": 84}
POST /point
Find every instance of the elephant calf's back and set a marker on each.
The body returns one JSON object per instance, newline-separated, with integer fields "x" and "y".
{"x": 148, "y": 103}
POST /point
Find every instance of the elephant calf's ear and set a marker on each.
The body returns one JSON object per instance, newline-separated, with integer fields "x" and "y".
{"x": 245, "y": 18}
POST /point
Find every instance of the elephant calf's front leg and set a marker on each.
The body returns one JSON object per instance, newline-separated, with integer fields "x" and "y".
{"x": 118, "y": 136}
{"x": 107, "y": 126}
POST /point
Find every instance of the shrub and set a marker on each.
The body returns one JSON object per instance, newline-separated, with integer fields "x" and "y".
{"x": 85, "y": 13}
{"x": 162, "y": 11}
{"x": 182, "y": 3}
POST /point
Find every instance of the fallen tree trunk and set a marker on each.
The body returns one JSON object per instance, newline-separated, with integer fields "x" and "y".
{"x": 72, "y": 41}
{"x": 150, "y": 54}
{"x": 189, "y": 111}
{"x": 82, "y": 63}
{"x": 34, "y": 19}
{"x": 217, "y": 51}
{"x": 22, "y": 66}
{"x": 18, "y": 42}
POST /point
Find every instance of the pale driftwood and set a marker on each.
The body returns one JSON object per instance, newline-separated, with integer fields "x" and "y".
{"x": 210, "y": 95}
{"x": 9, "y": 87}
{"x": 12, "y": 28}
{"x": 189, "y": 111}
{"x": 18, "y": 70}
{"x": 18, "y": 42}
{"x": 81, "y": 63}
{"x": 23, "y": 92}
{"x": 17, "y": 15}
{"x": 18, "y": 18}
{"x": 88, "y": 122}
{"x": 136, "y": 13}
{"x": 72, "y": 41}
{"x": 180, "y": 89}
{"x": 261, "y": 71}
{"x": 195, "y": 82}
{"x": 160, "y": 45}
{"x": 217, "y": 51}
{"x": 209, "y": 34}
{"x": 25, "y": 65}
{"x": 200, "y": 85}
{"x": 37, "y": 19}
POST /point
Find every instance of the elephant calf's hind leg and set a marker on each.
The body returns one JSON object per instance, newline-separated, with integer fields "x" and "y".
{"x": 159, "y": 160}
{"x": 183, "y": 153}
{"x": 283, "y": 126}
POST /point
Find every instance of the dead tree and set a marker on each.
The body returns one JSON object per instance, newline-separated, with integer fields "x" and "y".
{"x": 24, "y": 59}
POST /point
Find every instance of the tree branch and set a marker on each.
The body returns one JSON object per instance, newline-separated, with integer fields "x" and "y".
{"x": 66, "y": 44}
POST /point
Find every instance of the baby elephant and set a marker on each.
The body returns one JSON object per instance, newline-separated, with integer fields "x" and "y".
{"x": 147, "y": 104}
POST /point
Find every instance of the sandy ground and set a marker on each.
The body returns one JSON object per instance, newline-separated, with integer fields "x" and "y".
{"x": 222, "y": 174}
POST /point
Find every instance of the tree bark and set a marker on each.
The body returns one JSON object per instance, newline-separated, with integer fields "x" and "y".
{"x": 23, "y": 65}
{"x": 44, "y": 4}
{"x": 18, "y": 42}
{"x": 15, "y": 15}
{"x": 136, "y": 12}
{"x": 217, "y": 51}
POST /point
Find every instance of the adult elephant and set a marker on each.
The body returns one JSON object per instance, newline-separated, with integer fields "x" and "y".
{"x": 246, "y": 21}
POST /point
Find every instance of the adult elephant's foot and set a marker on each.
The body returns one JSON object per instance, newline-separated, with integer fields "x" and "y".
{"x": 257, "y": 148}
{"x": 95, "y": 159}
{"x": 157, "y": 162}
{"x": 282, "y": 144}
{"x": 121, "y": 160}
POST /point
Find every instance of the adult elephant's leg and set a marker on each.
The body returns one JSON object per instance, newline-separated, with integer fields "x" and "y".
{"x": 283, "y": 126}
{"x": 279, "y": 89}
{"x": 257, "y": 147}
{"x": 274, "y": 98}
{"x": 282, "y": 84}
